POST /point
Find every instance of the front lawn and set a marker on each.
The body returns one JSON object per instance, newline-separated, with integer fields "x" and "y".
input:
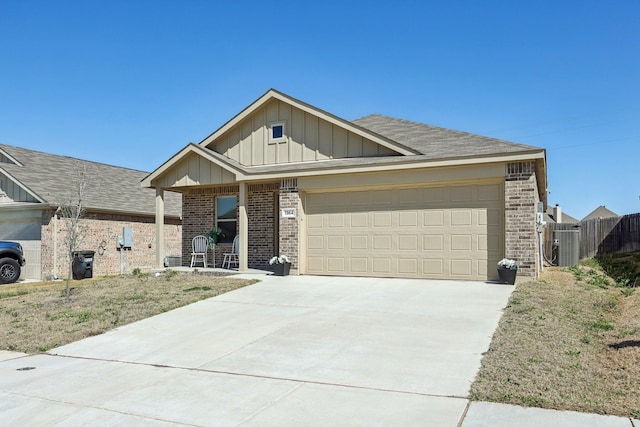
{"x": 36, "y": 317}
{"x": 569, "y": 341}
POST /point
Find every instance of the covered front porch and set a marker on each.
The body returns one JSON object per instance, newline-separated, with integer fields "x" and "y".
{"x": 209, "y": 184}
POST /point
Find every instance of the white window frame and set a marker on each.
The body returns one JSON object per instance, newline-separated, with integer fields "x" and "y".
{"x": 281, "y": 139}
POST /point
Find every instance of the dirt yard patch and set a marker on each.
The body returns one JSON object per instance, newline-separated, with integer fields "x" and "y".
{"x": 36, "y": 317}
{"x": 570, "y": 341}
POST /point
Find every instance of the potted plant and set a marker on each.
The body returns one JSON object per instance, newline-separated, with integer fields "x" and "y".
{"x": 281, "y": 265}
{"x": 507, "y": 270}
{"x": 214, "y": 235}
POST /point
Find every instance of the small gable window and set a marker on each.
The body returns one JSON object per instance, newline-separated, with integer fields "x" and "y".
{"x": 277, "y": 132}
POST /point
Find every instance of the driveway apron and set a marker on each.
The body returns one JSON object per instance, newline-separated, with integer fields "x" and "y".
{"x": 294, "y": 350}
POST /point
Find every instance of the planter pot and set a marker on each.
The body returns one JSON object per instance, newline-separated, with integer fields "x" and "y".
{"x": 281, "y": 269}
{"x": 507, "y": 275}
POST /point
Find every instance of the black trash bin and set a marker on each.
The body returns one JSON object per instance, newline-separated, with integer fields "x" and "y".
{"x": 82, "y": 266}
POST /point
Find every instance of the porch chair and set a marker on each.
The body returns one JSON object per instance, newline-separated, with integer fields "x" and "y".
{"x": 232, "y": 257}
{"x": 199, "y": 248}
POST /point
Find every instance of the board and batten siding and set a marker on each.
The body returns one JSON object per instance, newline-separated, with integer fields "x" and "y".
{"x": 194, "y": 170}
{"x": 12, "y": 192}
{"x": 308, "y": 138}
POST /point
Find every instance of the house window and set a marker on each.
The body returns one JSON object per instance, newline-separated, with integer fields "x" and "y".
{"x": 226, "y": 217}
{"x": 277, "y": 133}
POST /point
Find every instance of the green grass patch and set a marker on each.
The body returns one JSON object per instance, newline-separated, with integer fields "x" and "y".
{"x": 569, "y": 342}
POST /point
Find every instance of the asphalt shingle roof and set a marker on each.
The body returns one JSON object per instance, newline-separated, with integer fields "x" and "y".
{"x": 600, "y": 212}
{"x": 112, "y": 188}
{"x": 437, "y": 142}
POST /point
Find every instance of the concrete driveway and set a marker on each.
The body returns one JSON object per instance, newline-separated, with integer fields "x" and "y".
{"x": 296, "y": 350}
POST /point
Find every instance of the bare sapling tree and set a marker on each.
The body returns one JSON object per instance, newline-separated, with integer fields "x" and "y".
{"x": 72, "y": 211}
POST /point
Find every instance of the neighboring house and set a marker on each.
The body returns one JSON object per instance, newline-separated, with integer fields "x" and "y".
{"x": 600, "y": 212}
{"x": 374, "y": 197}
{"x": 558, "y": 216}
{"x": 33, "y": 185}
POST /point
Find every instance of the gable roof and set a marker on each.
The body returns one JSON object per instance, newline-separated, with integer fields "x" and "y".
{"x": 438, "y": 142}
{"x": 600, "y": 212}
{"x": 116, "y": 189}
{"x": 415, "y": 145}
{"x": 566, "y": 218}
{"x": 274, "y": 94}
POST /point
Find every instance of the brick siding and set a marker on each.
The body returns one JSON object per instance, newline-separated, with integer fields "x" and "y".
{"x": 289, "y": 227}
{"x": 99, "y": 233}
{"x": 521, "y": 198}
{"x": 198, "y": 207}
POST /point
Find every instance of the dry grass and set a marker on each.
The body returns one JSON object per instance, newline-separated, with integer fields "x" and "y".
{"x": 569, "y": 341}
{"x": 36, "y": 317}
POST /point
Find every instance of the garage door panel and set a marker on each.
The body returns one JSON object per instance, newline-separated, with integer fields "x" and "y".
{"x": 461, "y": 267}
{"x": 408, "y": 266}
{"x": 315, "y": 221}
{"x": 432, "y": 267}
{"x": 359, "y": 242}
{"x": 382, "y": 219}
{"x": 435, "y": 195}
{"x": 438, "y": 232}
{"x": 315, "y": 264}
{"x": 461, "y": 217}
{"x": 408, "y": 219}
{"x": 433, "y": 242}
{"x": 494, "y": 217}
{"x": 434, "y": 218}
{"x": 336, "y": 265}
{"x": 408, "y": 243}
{"x": 491, "y": 192}
{"x": 359, "y": 265}
{"x": 462, "y": 194}
{"x": 336, "y": 220}
{"x": 461, "y": 242}
{"x": 382, "y": 265}
{"x": 335, "y": 243}
{"x": 382, "y": 242}
{"x": 360, "y": 219}
{"x": 382, "y": 198}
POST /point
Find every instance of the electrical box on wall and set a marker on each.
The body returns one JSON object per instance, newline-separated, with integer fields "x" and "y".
{"x": 127, "y": 237}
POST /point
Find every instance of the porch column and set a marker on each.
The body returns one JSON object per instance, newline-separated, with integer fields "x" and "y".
{"x": 159, "y": 227}
{"x": 243, "y": 228}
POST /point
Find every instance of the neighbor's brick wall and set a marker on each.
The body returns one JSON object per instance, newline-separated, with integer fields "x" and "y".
{"x": 521, "y": 198}
{"x": 289, "y": 227}
{"x": 99, "y": 233}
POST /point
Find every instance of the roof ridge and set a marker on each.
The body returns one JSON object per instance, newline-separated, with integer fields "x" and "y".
{"x": 67, "y": 157}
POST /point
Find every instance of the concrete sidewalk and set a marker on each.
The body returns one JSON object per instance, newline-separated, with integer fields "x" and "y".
{"x": 296, "y": 350}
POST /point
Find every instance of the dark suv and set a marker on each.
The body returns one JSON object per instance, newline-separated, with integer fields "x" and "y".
{"x": 11, "y": 259}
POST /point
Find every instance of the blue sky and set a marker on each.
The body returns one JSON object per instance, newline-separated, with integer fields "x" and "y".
{"x": 131, "y": 82}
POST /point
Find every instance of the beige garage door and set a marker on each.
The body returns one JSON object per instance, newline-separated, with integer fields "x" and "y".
{"x": 448, "y": 232}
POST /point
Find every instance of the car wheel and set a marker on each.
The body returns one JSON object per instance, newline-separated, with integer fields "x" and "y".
{"x": 9, "y": 270}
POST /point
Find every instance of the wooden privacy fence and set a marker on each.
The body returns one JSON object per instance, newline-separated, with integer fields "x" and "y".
{"x": 600, "y": 236}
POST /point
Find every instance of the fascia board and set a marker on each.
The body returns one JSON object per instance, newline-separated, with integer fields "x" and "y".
{"x": 216, "y": 158}
{"x": 10, "y": 157}
{"x": 237, "y": 118}
{"x": 25, "y": 206}
{"x": 535, "y": 155}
